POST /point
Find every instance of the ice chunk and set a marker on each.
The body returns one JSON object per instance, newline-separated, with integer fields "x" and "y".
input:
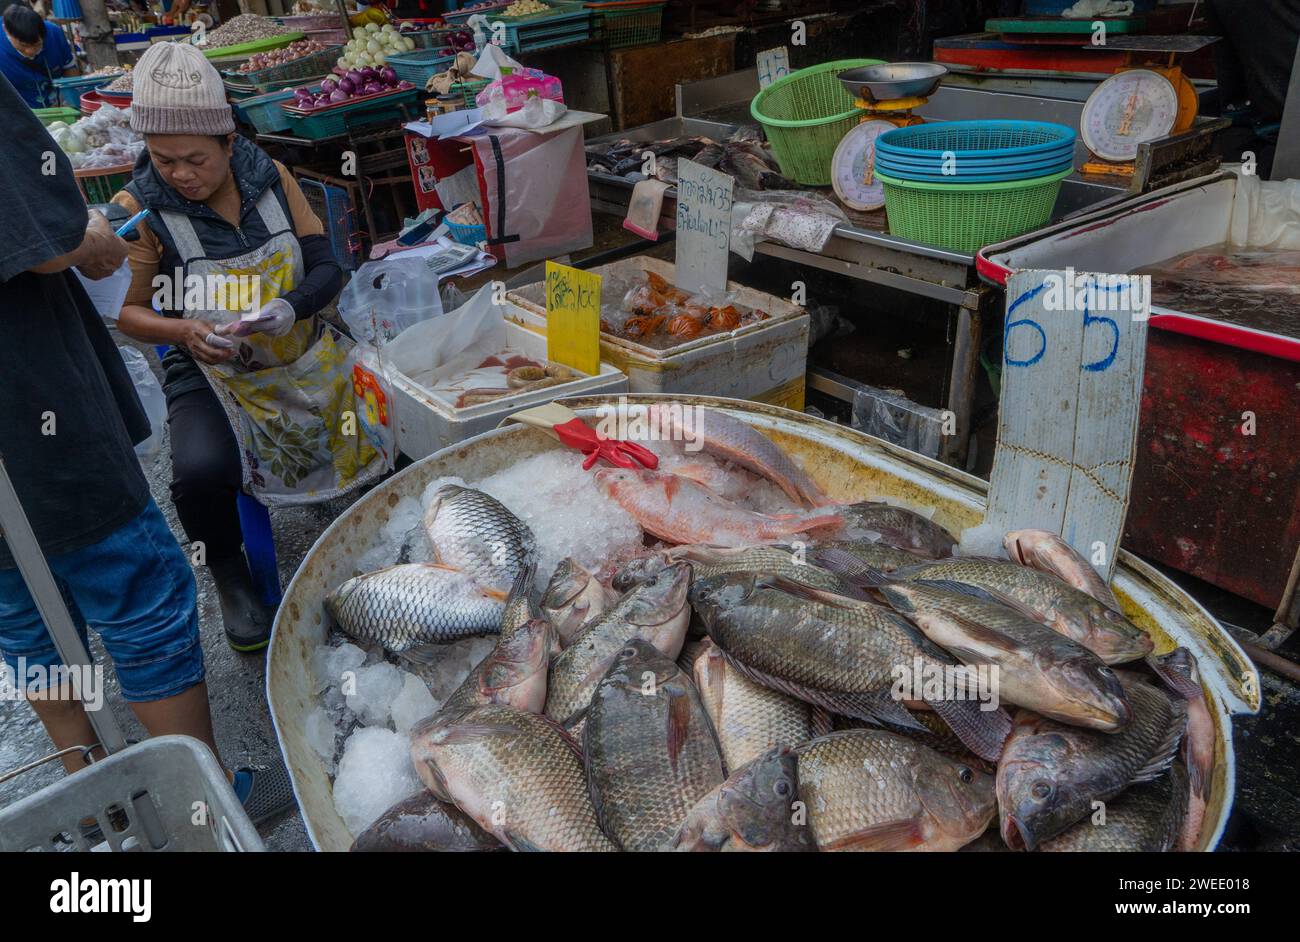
{"x": 404, "y": 517}
{"x": 329, "y": 662}
{"x": 321, "y": 735}
{"x": 379, "y": 556}
{"x": 982, "y": 540}
{"x": 412, "y": 704}
{"x": 375, "y": 773}
{"x": 452, "y": 664}
{"x": 371, "y": 694}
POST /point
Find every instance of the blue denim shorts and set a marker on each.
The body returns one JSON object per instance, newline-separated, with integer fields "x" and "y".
{"x": 136, "y": 588}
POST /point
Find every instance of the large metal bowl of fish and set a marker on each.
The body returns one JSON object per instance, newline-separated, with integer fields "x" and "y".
{"x": 848, "y": 465}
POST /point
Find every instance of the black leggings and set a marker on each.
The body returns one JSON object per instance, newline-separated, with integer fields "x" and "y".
{"x": 206, "y": 474}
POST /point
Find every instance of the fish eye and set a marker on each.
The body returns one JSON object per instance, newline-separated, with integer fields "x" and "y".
{"x": 628, "y": 651}
{"x": 966, "y": 775}
{"x": 781, "y": 787}
{"x": 1105, "y": 672}
{"x": 1041, "y": 790}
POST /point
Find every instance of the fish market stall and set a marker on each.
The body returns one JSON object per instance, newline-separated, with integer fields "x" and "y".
{"x": 511, "y": 464}
{"x": 861, "y": 245}
{"x": 1209, "y": 491}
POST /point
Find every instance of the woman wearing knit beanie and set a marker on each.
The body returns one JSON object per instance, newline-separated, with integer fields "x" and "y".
{"x": 230, "y": 270}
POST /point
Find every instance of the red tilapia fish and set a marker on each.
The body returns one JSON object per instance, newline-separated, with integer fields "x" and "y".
{"x": 733, "y": 440}
{"x": 681, "y": 510}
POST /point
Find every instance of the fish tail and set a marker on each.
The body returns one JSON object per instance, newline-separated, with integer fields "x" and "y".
{"x": 982, "y": 731}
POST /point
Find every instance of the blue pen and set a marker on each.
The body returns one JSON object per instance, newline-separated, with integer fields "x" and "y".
{"x": 132, "y": 222}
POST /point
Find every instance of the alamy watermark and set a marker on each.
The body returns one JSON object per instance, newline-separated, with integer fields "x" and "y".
{"x": 931, "y": 681}
{"x": 53, "y": 681}
{"x": 661, "y": 422}
{"x": 1090, "y": 292}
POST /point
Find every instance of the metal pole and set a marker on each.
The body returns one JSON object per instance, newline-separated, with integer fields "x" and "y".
{"x": 1286, "y": 159}
{"x": 45, "y": 593}
{"x": 343, "y": 12}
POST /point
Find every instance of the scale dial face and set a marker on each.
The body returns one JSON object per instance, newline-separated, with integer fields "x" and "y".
{"x": 852, "y": 168}
{"x": 1125, "y": 110}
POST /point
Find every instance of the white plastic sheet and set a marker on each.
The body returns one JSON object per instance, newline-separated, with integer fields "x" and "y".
{"x": 151, "y": 396}
{"x": 1265, "y": 213}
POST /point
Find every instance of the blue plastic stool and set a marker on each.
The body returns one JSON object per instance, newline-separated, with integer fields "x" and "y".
{"x": 259, "y": 543}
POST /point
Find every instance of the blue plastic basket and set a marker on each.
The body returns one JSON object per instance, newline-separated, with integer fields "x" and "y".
{"x": 1004, "y": 140}
{"x": 466, "y": 235}
{"x": 937, "y": 160}
{"x": 419, "y": 65}
{"x": 334, "y": 207}
{"x": 263, "y": 112}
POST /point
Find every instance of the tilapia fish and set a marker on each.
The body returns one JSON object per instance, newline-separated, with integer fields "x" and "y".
{"x": 871, "y": 555}
{"x": 1064, "y": 609}
{"x": 513, "y": 674}
{"x": 1050, "y": 773}
{"x": 749, "y": 718}
{"x": 733, "y": 440}
{"x": 1047, "y": 552}
{"x": 1180, "y": 672}
{"x": 520, "y": 608}
{"x": 847, "y": 658}
{"x": 649, "y": 748}
{"x": 753, "y": 810}
{"x": 475, "y": 533}
{"x": 573, "y": 597}
{"x": 1037, "y": 668}
{"x": 680, "y": 510}
{"x": 1146, "y": 818}
{"x": 868, "y": 790}
{"x": 408, "y": 608}
{"x": 898, "y": 527}
{"x": 794, "y": 563}
{"x": 655, "y": 611}
{"x": 517, "y": 775}
{"x": 424, "y": 824}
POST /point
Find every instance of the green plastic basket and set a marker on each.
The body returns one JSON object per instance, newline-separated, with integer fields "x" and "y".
{"x": 805, "y": 116}
{"x": 469, "y": 90}
{"x": 49, "y": 115}
{"x": 966, "y": 217}
{"x": 631, "y": 23}
{"x": 247, "y": 49}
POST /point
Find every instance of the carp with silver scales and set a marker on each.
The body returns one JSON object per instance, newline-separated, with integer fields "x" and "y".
{"x": 476, "y": 533}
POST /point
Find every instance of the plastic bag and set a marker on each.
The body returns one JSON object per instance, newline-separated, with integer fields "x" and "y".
{"x": 373, "y": 390}
{"x": 790, "y": 217}
{"x": 458, "y": 340}
{"x": 889, "y": 415}
{"x": 1265, "y": 213}
{"x": 151, "y": 398}
{"x": 386, "y": 297}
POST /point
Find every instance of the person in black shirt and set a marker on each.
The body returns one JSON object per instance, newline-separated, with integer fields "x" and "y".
{"x": 68, "y": 425}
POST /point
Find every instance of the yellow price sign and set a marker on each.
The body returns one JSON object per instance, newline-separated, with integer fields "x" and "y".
{"x": 573, "y": 318}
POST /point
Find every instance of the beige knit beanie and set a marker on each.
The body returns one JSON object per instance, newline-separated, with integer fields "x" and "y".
{"x": 177, "y": 91}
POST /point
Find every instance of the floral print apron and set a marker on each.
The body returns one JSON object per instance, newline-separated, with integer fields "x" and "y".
{"x": 288, "y": 397}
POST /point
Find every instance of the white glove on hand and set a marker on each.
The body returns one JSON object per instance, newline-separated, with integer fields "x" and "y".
{"x": 275, "y": 319}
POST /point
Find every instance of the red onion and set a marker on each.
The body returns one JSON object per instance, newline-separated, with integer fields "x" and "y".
{"x": 374, "y": 88}
{"x": 387, "y": 76}
{"x": 329, "y": 84}
{"x": 368, "y": 74}
{"x": 355, "y": 77}
{"x": 307, "y": 104}
{"x": 347, "y": 85}
{"x": 338, "y": 95}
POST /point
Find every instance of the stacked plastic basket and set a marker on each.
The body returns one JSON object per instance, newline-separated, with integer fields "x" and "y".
{"x": 966, "y": 184}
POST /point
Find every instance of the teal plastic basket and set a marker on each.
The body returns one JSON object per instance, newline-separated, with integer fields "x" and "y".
{"x": 264, "y": 113}
{"x": 966, "y": 217}
{"x": 336, "y": 121}
{"x": 420, "y": 65}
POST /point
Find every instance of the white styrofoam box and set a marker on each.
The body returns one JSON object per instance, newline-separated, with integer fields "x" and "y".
{"x": 764, "y": 360}
{"x": 426, "y": 424}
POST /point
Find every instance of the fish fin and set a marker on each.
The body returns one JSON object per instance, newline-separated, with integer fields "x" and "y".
{"x": 678, "y": 722}
{"x": 523, "y": 581}
{"x": 981, "y": 731}
{"x": 890, "y": 836}
{"x": 982, "y": 643}
{"x": 1167, "y": 749}
{"x": 462, "y": 732}
{"x": 492, "y": 593}
{"x": 518, "y": 844}
{"x": 847, "y": 566}
{"x": 820, "y": 721}
{"x": 422, "y": 654}
{"x": 1198, "y": 775}
{"x": 1176, "y": 677}
{"x": 811, "y": 594}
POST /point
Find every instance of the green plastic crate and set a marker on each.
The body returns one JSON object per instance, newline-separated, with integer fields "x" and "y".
{"x": 332, "y": 122}
{"x": 49, "y": 115}
{"x": 634, "y": 23}
{"x": 966, "y": 217}
{"x": 805, "y": 116}
{"x": 100, "y": 186}
{"x": 469, "y": 91}
{"x": 300, "y": 70}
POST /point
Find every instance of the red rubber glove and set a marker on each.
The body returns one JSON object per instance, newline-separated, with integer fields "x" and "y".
{"x": 578, "y": 434}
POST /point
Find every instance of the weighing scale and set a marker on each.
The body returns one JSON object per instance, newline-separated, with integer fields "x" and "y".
{"x": 887, "y": 95}
{"x": 1141, "y": 102}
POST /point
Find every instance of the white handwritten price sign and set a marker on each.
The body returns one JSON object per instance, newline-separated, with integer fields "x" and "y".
{"x": 703, "y": 227}
{"x": 1074, "y": 346}
{"x": 773, "y": 64}
{"x": 573, "y": 318}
